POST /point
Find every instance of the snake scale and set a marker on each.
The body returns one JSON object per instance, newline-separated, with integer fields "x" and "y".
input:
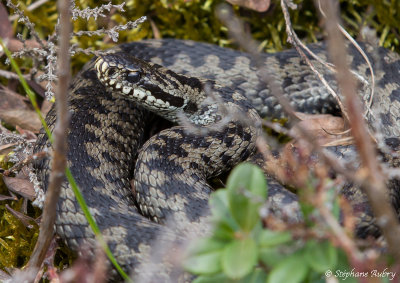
{"x": 114, "y": 138}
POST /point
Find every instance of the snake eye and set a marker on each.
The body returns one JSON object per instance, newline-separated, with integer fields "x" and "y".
{"x": 133, "y": 77}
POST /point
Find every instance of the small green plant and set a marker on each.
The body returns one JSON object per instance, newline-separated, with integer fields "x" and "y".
{"x": 242, "y": 250}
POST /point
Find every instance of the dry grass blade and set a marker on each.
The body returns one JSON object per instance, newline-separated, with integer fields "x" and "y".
{"x": 8, "y": 198}
{"x": 374, "y": 186}
{"x": 10, "y": 99}
{"x": 26, "y": 119}
{"x": 6, "y": 30}
{"x": 357, "y": 46}
{"x": 29, "y": 159}
{"x": 6, "y": 148}
{"x": 25, "y": 219}
{"x": 299, "y": 46}
{"x": 4, "y": 276}
{"x": 248, "y": 44}
{"x": 20, "y": 186}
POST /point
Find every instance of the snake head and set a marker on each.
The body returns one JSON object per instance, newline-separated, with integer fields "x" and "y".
{"x": 150, "y": 85}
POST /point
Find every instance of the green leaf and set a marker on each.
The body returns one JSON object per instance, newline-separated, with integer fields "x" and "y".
{"x": 247, "y": 191}
{"x": 332, "y": 200}
{"x": 271, "y": 256}
{"x": 224, "y": 230}
{"x": 239, "y": 257}
{"x": 343, "y": 266}
{"x": 205, "y": 245}
{"x": 269, "y": 238}
{"x": 204, "y": 256}
{"x": 308, "y": 210}
{"x": 215, "y": 278}
{"x": 321, "y": 256}
{"x": 219, "y": 204}
{"x": 207, "y": 263}
{"x": 293, "y": 269}
{"x": 225, "y": 225}
{"x": 258, "y": 276}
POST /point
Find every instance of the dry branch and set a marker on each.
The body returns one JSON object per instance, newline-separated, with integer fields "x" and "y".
{"x": 374, "y": 186}
{"x": 60, "y": 142}
{"x": 245, "y": 41}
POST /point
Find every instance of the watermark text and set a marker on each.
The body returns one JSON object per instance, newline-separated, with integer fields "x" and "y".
{"x": 344, "y": 274}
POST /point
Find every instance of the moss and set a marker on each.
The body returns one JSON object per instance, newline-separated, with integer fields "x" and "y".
{"x": 196, "y": 20}
{"x": 16, "y": 240}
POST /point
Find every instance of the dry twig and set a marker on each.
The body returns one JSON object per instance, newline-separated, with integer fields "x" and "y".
{"x": 246, "y": 42}
{"x": 299, "y": 46}
{"x": 60, "y": 142}
{"x": 374, "y": 185}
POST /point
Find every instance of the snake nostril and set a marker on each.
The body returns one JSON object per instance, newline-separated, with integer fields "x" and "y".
{"x": 111, "y": 72}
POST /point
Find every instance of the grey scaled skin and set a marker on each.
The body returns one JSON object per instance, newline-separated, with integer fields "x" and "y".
{"x": 110, "y": 144}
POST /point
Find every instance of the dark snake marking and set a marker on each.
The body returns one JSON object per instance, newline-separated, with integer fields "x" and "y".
{"x": 109, "y": 131}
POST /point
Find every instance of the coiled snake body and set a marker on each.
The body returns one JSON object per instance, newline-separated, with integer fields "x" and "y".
{"x": 110, "y": 133}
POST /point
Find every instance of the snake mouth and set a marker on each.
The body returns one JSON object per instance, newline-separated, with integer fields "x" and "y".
{"x": 136, "y": 85}
{"x": 111, "y": 76}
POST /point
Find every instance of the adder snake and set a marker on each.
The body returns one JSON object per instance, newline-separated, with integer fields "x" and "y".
{"x": 113, "y": 136}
